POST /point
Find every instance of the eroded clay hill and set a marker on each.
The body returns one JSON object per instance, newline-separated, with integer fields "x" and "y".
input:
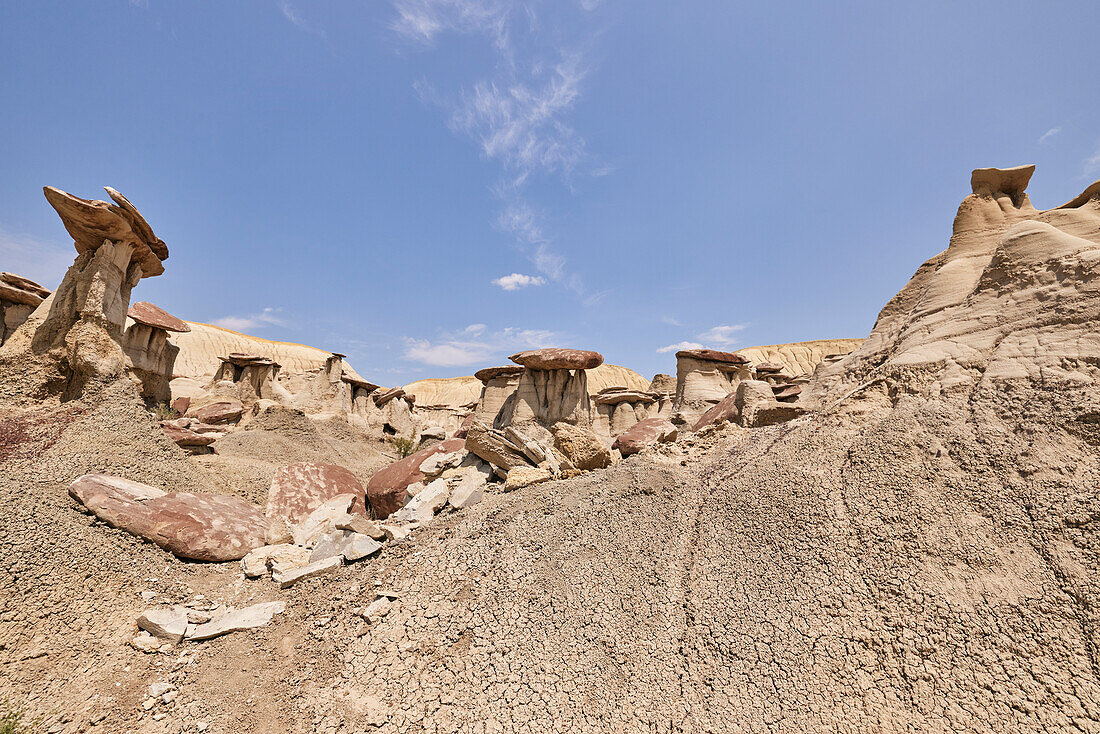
{"x": 914, "y": 551}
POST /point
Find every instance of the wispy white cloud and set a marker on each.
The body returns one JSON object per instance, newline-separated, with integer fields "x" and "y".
{"x": 475, "y": 345}
{"x": 44, "y": 262}
{"x": 518, "y": 114}
{"x": 670, "y": 321}
{"x": 722, "y": 335}
{"x": 515, "y": 281}
{"x": 291, "y": 13}
{"x": 1092, "y": 163}
{"x": 1049, "y": 134}
{"x": 267, "y": 317}
{"x": 680, "y": 345}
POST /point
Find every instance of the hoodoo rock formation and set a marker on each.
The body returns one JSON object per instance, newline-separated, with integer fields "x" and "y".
{"x": 150, "y": 356}
{"x": 75, "y": 335}
{"x": 554, "y": 386}
{"x": 703, "y": 378}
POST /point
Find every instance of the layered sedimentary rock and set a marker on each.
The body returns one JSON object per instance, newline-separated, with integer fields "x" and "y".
{"x": 703, "y": 378}
{"x": 74, "y": 336}
{"x": 498, "y": 385}
{"x": 150, "y": 356}
{"x": 19, "y": 297}
{"x": 1008, "y": 298}
{"x": 799, "y": 358}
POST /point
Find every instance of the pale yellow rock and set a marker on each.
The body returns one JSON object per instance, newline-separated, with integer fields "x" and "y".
{"x": 800, "y": 358}
{"x": 525, "y": 476}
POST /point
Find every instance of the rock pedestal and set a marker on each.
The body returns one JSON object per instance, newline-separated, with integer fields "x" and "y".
{"x": 19, "y": 297}
{"x": 618, "y": 409}
{"x": 499, "y": 384}
{"x": 554, "y": 386}
{"x": 703, "y": 378}
{"x": 74, "y": 336}
{"x": 150, "y": 356}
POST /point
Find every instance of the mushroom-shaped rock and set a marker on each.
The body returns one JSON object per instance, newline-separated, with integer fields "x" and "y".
{"x": 201, "y": 527}
{"x": 146, "y": 313}
{"x": 768, "y": 368}
{"x": 91, "y": 221}
{"x": 557, "y": 358}
{"x": 386, "y": 489}
{"x": 492, "y": 373}
{"x": 711, "y": 355}
{"x": 299, "y": 489}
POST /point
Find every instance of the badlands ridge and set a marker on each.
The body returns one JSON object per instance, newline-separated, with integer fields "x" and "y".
{"x": 208, "y": 531}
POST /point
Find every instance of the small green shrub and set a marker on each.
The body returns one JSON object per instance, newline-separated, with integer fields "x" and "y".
{"x": 13, "y": 719}
{"x": 163, "y": 412}
{"x": 405, "y": 447}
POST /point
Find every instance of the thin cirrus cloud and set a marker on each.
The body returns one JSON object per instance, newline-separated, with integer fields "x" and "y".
{"x": 516, "y": 281}
{"x": 720, "y": 336}
{"x": 475, "y": 345}
{"x": 267, "y": 317}
{"x": 518, "y": 115}
{"x": 1049, "y": 134}
{"x": 1092, "y": 163}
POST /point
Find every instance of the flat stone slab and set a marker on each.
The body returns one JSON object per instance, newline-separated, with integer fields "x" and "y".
{"x": 146, "y": 313}
{"x": 239, "y": 620}
{"x": 286, "y": 579}
{"x": 712, "y": 355}
{"x": 351, "y": 546}
{"x": 201, "y": 527}
{"x": 491, "y": 373}
{"x": 166, "y": 623}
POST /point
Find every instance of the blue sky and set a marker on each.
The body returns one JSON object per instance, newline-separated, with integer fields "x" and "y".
{"x": 430, "y": 185}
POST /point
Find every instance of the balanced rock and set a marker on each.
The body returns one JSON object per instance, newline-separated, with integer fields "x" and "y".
{"x": 645, "y": 433}
{"x": 200, "y": 527}
{"x": 299, "y": 489}
{"x": 146, "y": 313}
{"x": 386, "y": 488}
{"x": 557, "y": 358}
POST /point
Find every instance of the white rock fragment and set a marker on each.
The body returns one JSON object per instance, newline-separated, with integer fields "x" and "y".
{"x": 470, "y": 488}
{"x": 257, "y": 562}
{"x": 436, "y": 464}
{"x": 168, "y": 623}
{"x": 351, "y": 546}
{"x": 395, "y": 531}
{"x": 424, "y": 505}
{"x": 289, "y": 578}
{"x": 256, "y": 615}
{"x": 360, "y": 524}
{"x": 148, "y": 644}
{"x": 377, "y": 609}
{"x": 320, "y": 521}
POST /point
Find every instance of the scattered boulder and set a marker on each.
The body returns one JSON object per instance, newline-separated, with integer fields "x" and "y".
{"x": 349, "y": 545}
{"x": 645, "y": 433}
{"x": 185, "y": 437}
{"x": 360, "y": 524}
{"x": 258, "y": 562}
{"x": 198, "y": 527}
{"x": 148, "y": 643}
{"x": 582, "y": 447}
{"x": 299, "y": 489}
{"x": 181, "y": 404}
{"x": 321, "y": 520}
{"x": 248, "y": 618}
{"x": 422, "y": 508}
{"x": 726, "y": 410}
{"x": 438, "y": 463}
{"x": 222, "y": 411}
{"x": 494, "y": 447}
{"x": 787, "y": 392}
{"x": 470, "y": 488}
{"x": 386, "y": 489}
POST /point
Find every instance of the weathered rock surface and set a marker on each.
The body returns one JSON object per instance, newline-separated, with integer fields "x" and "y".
{"x": 146, "y": 313}
{"x": 222, "y": 411}
{"x": 239, "y": 620}
{"x": 386, "y": 488}
{"x": 557, "y": 358}
{"x": 259, "y": 561}
{"x": 494, "y": 447}
{"x": 299, "y": 489}
{"x": 582, "y": 447}
{"x": 470, "y": 488}
{"x": 321, "y": 520}
{"x": 165, "y": 623}
{"x": 703, "y": 378}
{"x": 347, "y": 544}
{"x": 524, "y": 476}
{"x": 645, "y": 433}
{"x": 313, "y": 569}
{"x": 194, "y": 526}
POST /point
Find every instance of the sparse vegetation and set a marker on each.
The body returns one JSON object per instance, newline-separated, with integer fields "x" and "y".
{"x": 13, "y": 719}
{"x": 405, "y": 446}
{"x": 163, "y": 412}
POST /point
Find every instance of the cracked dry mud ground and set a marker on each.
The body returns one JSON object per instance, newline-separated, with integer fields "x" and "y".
{"x": 899, "y": 564}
